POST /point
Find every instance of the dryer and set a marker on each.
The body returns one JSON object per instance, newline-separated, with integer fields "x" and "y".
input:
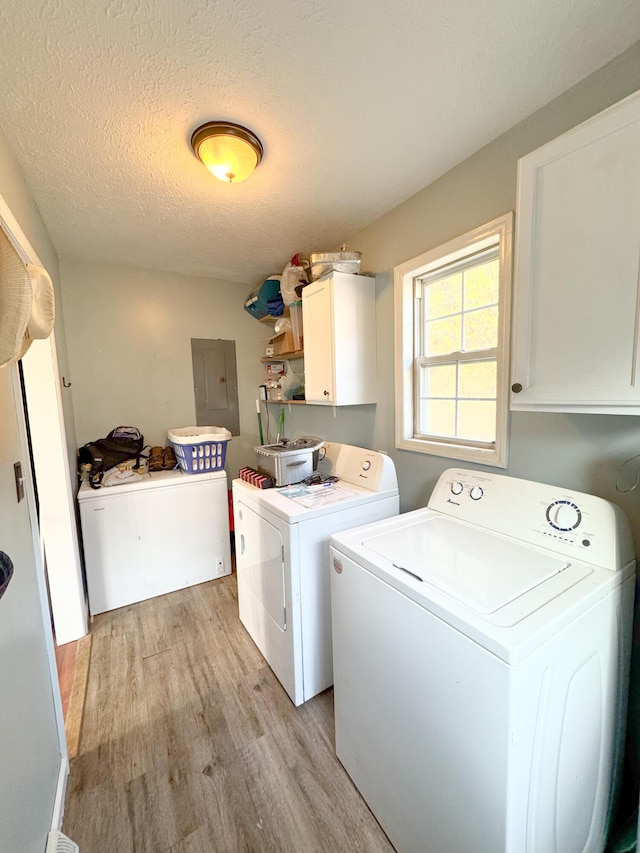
{"x": 481, "y": 654}
{"x": 282, "y": 559}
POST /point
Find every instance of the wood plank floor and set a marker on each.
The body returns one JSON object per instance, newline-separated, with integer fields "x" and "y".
{"x": 72, "y": 660}
{"x": 190, "y": 744}
{"x": 66, "y": 664}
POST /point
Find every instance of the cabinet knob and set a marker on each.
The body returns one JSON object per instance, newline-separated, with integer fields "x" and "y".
{"x": 326, "y": 393}
{"x": 516, "y": 387}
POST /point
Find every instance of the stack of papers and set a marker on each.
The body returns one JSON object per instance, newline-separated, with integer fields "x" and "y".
{"x": 324, "y": 494}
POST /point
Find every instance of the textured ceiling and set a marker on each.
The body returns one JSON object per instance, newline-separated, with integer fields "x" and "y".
{"x": 358, "y": 104}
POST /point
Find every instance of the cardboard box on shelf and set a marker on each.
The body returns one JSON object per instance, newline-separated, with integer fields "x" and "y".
{"x": 280, "y": 344}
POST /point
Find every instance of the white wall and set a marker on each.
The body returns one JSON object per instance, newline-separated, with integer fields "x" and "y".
{"x": 129, "y": 336}
{"x": 582, "y": 452}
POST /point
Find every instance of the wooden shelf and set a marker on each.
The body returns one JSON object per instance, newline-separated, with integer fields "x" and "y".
{"x": 270, "y": 319}
{"x": 283, "y": 356}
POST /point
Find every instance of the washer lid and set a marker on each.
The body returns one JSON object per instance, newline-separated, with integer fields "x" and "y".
{"x": 481, "y": 570}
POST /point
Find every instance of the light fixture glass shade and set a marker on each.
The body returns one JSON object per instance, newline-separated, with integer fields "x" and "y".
{"x": 230, "y": 152}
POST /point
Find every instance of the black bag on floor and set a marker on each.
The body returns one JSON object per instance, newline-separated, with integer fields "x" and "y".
{"x": 121, "y": 445}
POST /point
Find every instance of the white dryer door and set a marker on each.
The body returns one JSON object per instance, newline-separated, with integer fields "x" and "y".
{"x": 483, "y": 571}
{"x": 264, "y": 594}
{"x": 260, "y": 567}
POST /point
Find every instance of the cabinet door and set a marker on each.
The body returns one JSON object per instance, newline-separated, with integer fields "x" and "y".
{"x": 354, "y": 334}
{"x": 319, "y": 367}
{"x": 577, "y": 267}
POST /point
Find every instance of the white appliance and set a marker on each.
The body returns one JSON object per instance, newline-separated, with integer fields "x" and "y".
{"x": 282, "y": 560}
{"x": 164, "y": 531}
{"x": 481, "y": 652}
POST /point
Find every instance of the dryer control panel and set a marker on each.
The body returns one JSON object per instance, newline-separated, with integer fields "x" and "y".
{"x": 571, "y": 523}
{"x": 370, "y": 469}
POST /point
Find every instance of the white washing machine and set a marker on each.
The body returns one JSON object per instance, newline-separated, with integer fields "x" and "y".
{"x": 481, "y": 653}
{"x": 282, "y": 560}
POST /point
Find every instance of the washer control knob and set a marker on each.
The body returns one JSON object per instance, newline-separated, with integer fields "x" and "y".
{"x": 366, "y": 465}
{"x": 563, "y": 515}
{"x": 457, "y": 488}
{"x": 476, "y": 493}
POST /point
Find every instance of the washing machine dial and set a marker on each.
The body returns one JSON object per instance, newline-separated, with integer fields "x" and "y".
{"x": 366, "y": 465}
{"x": 476, "y": 493}
{"x": 457, "y": 488}
{"x": 563, "y": 516}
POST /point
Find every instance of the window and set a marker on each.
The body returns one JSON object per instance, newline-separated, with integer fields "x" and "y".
{"x": 452, "y": 347}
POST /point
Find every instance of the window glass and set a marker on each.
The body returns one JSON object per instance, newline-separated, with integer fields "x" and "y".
{"x": 443, "y": 336}
{"x": 481, "y": 329}
{"x": 481, "y": 285}
{"x": 444, "y": 296}
{"x": 477, "y": 420}
{"x": 439, "y": 381}
{"x": 478, "y": 379}
{"x": 439, "y": 417}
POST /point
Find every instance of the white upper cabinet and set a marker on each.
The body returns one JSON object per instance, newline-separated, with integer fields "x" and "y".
{"x": 339, "y": 323}
{"x": 577, "y": 269}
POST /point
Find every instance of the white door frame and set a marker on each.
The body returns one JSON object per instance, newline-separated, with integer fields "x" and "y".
{"x": 58, "y": 807}
{"x": 57, "y": 522}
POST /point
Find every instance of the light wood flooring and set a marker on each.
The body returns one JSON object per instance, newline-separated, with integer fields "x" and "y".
{"x": 72, "y": 660}
{"x": 190, "y": 744}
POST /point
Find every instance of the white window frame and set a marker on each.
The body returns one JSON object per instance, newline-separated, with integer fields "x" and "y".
{"x": 499, "y": 233}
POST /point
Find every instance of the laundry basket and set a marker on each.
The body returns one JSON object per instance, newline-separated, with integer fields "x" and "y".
{"x": 200, "y": 449}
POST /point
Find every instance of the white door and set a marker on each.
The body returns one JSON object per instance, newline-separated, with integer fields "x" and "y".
{"x": 264, "y": 584}
{"x": 319, "y": 369}
{"x": 260, "y": 563}
{"x": 30, "y": 747}
{"x": 56, "y": 503}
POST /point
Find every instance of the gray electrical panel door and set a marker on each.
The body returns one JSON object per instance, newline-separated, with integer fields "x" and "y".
{"x": 215, "y": 383}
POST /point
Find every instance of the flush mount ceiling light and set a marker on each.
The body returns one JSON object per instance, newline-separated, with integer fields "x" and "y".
{"x": 230, "y": 152}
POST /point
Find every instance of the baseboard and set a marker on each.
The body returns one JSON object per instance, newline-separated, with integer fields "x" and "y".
{"x": 58, "y": 805}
